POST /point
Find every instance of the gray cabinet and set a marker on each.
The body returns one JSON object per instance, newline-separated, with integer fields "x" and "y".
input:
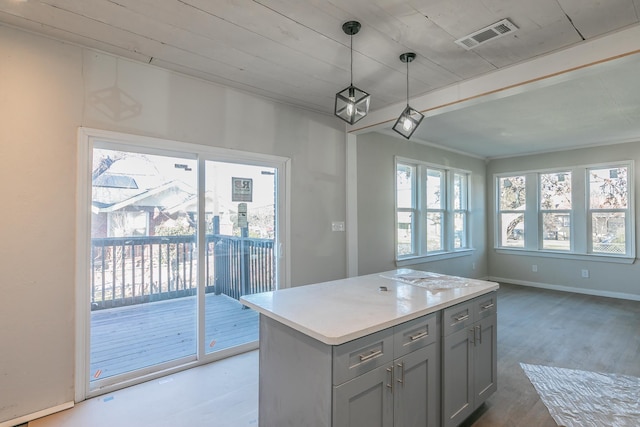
{"x": 389, "y": 378}
{"x": 365, "y": 401}
{"x": 417, "y": 389}
{"x": 430, "y": 371}
{"x": 469, "y": 357}
{"x": 403, "y": 392}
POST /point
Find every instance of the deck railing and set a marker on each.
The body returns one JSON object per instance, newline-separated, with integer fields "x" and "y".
{"x": 134, "y": 270}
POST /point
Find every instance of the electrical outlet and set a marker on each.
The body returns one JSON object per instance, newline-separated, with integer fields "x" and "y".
{"x": 585, "y": 274}
{"x": 337, "y": 226}
{"x": 534, "y": 268}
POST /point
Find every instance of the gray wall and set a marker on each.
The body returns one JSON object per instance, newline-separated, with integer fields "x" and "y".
{"x": 376, "y": 204}
{"x": 606, "y": 278}
{"x": 47, "y": 91}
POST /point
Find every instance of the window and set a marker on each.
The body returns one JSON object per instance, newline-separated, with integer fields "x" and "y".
{"x": 405, "y": 209}
{"x": 580, "y": 211}
{"x": 555, "y": 210}
{"x": 608, "y": 209}
{"x": 435, "y": 209}
{"x": 459, "y": 210}
{"x": 432, "y": 213}
{"x": 511, "y": 216}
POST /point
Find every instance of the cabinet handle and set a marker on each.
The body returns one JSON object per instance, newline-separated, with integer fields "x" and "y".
{"x": 401, "y": 380}
{"x": 419, "y": 335}
{"x": 472, "y": 336}
{"x": 390, "y": 383}
{"x": 461, "y": 318}
{"x": 479, "y": 329}
{"x": 374, "y": 353}
{"x": 488, "y": 306}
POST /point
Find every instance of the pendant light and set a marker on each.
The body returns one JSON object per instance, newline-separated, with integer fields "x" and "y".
{"x": 352, "y": 103}
{"x": 409, "y": 120}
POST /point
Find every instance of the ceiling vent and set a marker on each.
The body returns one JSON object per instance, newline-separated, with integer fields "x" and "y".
{"x": 499, "y": 29}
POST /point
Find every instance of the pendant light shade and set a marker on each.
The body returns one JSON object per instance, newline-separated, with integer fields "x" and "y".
{"x": 410, "y": 118}
{"x": 352, "y": 103}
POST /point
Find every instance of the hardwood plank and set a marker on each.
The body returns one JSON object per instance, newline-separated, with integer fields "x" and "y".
{"x": 127, "y": 338}
{"x": 559, "y": 329}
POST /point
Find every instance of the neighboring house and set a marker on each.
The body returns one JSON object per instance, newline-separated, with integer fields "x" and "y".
{"x": 124, "y": 204}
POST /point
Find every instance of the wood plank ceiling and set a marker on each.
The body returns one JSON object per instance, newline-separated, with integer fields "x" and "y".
{"x": 295, "y": 51}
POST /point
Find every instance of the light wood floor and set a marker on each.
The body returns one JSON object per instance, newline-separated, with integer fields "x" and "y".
{"x": 220, "y": 394}
{"x": 535, "y": 326}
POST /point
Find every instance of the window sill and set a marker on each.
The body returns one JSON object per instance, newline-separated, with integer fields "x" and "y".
{"x": 568, "y": 255}
{"x": 435, "y": 257}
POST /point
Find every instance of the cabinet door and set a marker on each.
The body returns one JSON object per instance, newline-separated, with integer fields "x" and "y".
{"x": 457, "y": 377}
{"x": 417, "y": 385}
{"x": 365, "y": 401}
{"x": 485, "y": 360}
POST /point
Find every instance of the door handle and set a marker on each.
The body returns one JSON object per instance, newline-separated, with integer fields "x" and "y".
{"x": 401, "y": 379}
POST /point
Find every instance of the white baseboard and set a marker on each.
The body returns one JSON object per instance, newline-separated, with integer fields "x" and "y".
{"x": 36, "y": 415}
{"x": 595, "y": 292}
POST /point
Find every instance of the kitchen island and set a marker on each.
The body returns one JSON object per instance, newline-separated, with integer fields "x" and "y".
{"x": 373, "y": 350}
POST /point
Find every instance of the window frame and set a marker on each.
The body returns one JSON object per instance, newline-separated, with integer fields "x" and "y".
{"x": 420, "y": 210}
{"x": 515, "y": 211}
{"x": 87, "y": 140}
{"x": 542, "y": 211}
{"x": 628, "y": 221}
{"x": 580, "y": 215}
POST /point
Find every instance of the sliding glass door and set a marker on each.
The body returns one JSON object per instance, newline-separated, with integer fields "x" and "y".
{"x": 144, "y": 270}
{"x": 176, "y": 238}
{"x": 241, "y": 230}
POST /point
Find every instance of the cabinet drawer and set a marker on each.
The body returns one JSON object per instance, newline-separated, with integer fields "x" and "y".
{"x": 457, "y": 317}
{"x": 485, "y": 306}
{"x": 415, "y": 334}
{"x": 362, "y": 355}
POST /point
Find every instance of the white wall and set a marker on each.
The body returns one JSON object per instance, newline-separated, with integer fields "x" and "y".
{"x": 47, "y": 90}
{"x": 609, "y": 279}
{"x": 376, "y": 204}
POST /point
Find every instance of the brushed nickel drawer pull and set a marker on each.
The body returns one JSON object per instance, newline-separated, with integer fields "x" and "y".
{"x": 461, "y": 318}
{"x": 419, "y": 335}
{"x": 374, "y": 353}
{"x": 488, "y": 306}
{"x": 390, "y": 383}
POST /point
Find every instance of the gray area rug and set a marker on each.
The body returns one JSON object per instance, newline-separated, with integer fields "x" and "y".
{"x": 583, "y": 399}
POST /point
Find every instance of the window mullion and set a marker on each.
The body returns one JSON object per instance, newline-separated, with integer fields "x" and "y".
{"x": 447, "y": 215}
{"x": 580, "y": 225}
{"x": 421, "y": 204}
{"x": 532, "y": 234}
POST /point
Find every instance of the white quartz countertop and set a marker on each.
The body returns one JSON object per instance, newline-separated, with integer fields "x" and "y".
{"x": 342, "y": 310}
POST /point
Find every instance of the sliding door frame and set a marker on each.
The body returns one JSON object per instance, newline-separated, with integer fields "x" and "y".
{"x": 88, "y": 139}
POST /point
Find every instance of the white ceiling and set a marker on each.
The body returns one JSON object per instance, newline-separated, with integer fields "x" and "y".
{"x": 295, "y": 51}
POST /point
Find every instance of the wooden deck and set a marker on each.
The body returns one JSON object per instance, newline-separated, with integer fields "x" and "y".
{"x": 128, "y": 338}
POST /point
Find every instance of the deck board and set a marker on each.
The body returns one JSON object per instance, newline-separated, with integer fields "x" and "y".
{"x": 124, "y": 339}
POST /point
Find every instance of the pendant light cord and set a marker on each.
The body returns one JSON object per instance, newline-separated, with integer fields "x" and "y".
{"x": 351, "y": 36}
{"x": 407, "y": 83}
